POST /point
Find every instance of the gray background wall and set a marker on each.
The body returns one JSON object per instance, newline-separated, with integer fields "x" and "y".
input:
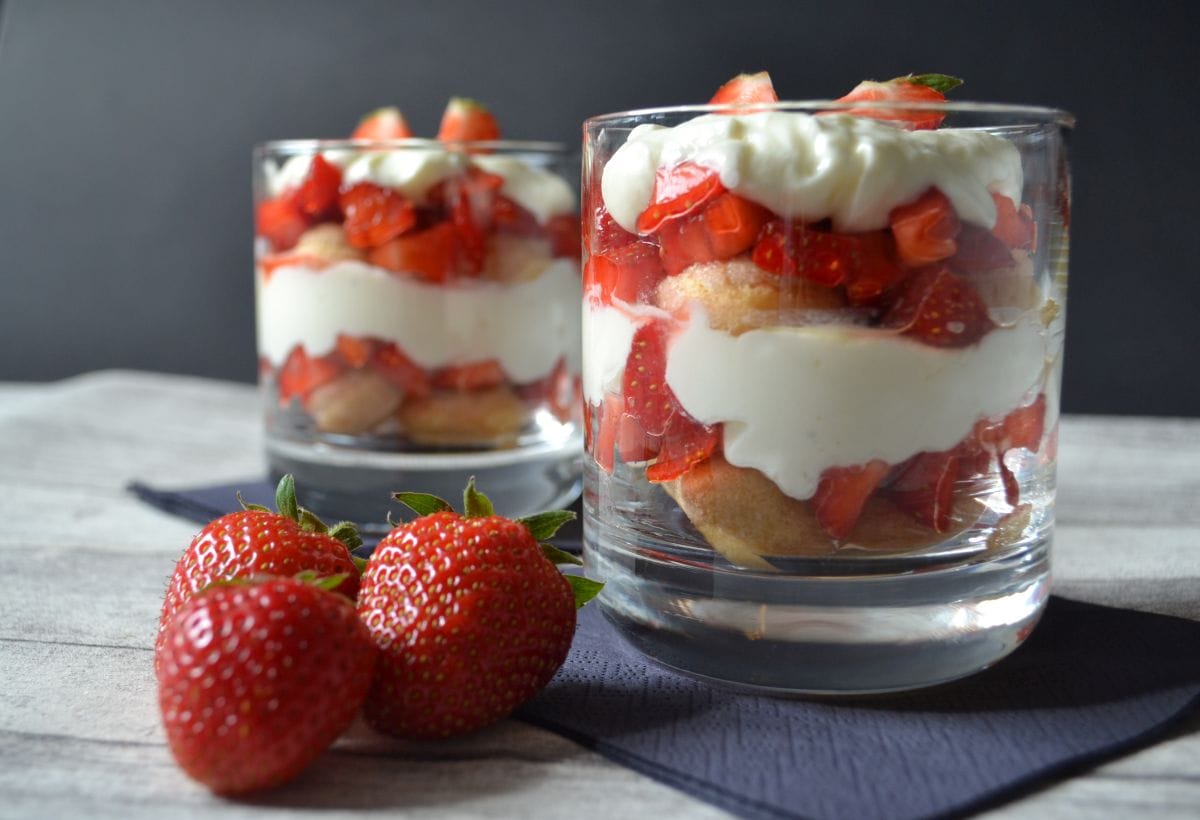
{"x": 125, "y": 131}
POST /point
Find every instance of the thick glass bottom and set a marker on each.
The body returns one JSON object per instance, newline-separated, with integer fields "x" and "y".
{"x": 357, "y": 485}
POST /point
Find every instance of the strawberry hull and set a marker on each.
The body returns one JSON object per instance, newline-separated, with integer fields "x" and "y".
{"x": 826, "y": 344}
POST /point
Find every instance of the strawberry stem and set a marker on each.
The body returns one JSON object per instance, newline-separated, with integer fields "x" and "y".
{"x": 423, "y": 503}
{"x": 544, "y": 525}
{"x": 285, "y": 498}
{"x": 938, "y": 82}
{"x": 585, "y": 589}
{"x": 475, "y": 503}
{"x": 560, "y": 556}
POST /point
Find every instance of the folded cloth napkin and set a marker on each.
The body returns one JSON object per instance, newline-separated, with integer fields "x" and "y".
{"x": 1090, "y": 683}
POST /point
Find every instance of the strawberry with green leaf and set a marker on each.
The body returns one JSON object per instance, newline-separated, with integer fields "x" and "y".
{"x": 911, "y": 88}
{"x": 470, "y": 613}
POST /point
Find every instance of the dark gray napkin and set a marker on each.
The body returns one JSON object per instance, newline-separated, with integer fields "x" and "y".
{"x": 1090, "y": 683}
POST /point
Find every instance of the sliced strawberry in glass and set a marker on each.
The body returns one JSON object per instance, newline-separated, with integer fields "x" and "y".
{"x": 479, "y": 375}
{"x": 685, "y": 444}
{"x": 1014, "y": 226}
{"x": 924, "y": 486}
{"x": 317, "y": 196}
{"x": 389, "y": 361}
{"x": 563, "y": 232}
{"x": 924, "y": 88}
{"x": 280, "y": 221}
{"x": 939, "y": 309}
{"x": 877, "y": 271}
{"x": 733, "y": 224}
{"x": 629, "y": 273}
{"x": 842, "y": 493}
{"x": 375, "y": 215}
{"x": 925, "y": 229}
{"x": 301, "y": 374}
{"x": 821, "y": 257}
{"x": 509, "y": 217}
{"x": 604, "y": 449}
{"x": 429, "y": 254}
{"x": 648, "y": 399}
{"x": 634, "y": 444}
{"x": 355, "y": 351}
{"x": 746, "y": 89}
{"x": 979, "y": 250}
{"x": 678, "y": 191}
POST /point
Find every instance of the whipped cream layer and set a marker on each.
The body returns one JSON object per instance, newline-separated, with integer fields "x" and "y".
{"x": 414, "y": 170}
{"x": 853, "y": 170}
{"x": 527, "y": 326}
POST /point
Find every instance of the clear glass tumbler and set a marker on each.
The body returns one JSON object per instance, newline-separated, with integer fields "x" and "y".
{"x": 822, "y": 352}
{"x": 418, "y": 321}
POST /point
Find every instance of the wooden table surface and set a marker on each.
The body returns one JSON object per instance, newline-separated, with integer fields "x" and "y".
{"x": 84, "y": 565}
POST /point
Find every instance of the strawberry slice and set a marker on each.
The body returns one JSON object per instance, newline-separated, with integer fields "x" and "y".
{"x": 991, "y": 441}
{"x": 389, "y": 361}
{"x": 563, "y": 231}
{"x": 925, "y": 88}
{"x": 382, "y": 124}
{"x": 979, "y": 250}
{"x": 467, "y": 121}
{"x": 634, "y": 445}
{"x": 280, "y": 221}
{"x": 301, "y": 374}
{"x": 841, "y": 494}
{"x": 684, "y": 242}
{"x": 509, "y": 217}
{"x": 317, "y": 196}
{"x": 375, "y": 215}
{"x": 925, "y": 229}
{"x": 428, "y": 254}
{"x": 724, "y": 228}
{"x": 877, "y": 271}
{"x": 819, "y": 256}
{"x": 604, "y": 446}
{"x": 629, "y": 273}
{"x": 648, "y": 399}
{"x": 685, "y": 444}
{"x": 678, "y": 191}
{"x": 939, "y": 309}
{"x": 356, "y": 352}
{"x": 480, "y": 375}
{"x": 1014, "y": 226}
{"x": 471, "y": 201}
{"x": 924, "y": 486}
{"x": 746, "y": 89}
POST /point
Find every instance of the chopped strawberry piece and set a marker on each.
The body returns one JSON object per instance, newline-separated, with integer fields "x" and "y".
{"x": 648, "y": 399}
{"x": 280, "y": 221}
{"x": 684, "y": 242}
{"x": 991, "y": 441}
{"x": 634, "y": 445}
{"x": 606, "y": 234}
{"x": 356, "y": 352}
{"x": 510, "y": 217}
{"x": 480, "y": 375}
{"x": 877, "y": 271}
{"x": 471, "y": 202}
{"x": 587, "y": 427}
{"x": 301, "y": 374}
{"x": 685, "y": 444}
{"x": 389, "y": 361}
{"x": 382, "y": 124}
{"x": 678, "y": 191}
{"x": 819, "y": 256}
{"x": 630, "y": 273}
{"x": 924, "y": 486}
{"x": 563, "y": 231}
{"x": 428, "y": 254}
{"x": 733, "y": 224}
{"x": 978, "y": 251}
{"x": 939, "y": 309}
{"x": 841, "y": 494}
{"x": 1014, "y": 226}
{"x": 375, "y": 215}
{"x": 467, "y": 121}
{"x": 746, "y": 89}
{"x": 604, "y": 449}
{"x": 926, "y": 88}
{"x": 317, "y": 196}
{"x": 925, "y": 229}
{"x": 269, "y": 264}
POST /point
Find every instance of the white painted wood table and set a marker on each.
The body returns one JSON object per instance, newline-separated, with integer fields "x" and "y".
{"x": 83, "y": 565}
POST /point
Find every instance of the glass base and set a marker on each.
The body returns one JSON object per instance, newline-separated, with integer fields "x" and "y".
{"x": 356, "y": 485}
{"x": 828, "y": 632}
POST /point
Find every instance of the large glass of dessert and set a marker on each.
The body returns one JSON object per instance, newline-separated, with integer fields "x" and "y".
{"x": 418, "y": 315}
{"x": 821, "y": 368}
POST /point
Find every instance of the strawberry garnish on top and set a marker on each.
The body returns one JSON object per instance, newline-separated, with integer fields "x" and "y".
{"x": 382, "y": 124}
{"x": 466, "y": 120}
{"x": 746, "y": 89}
{"x": 470, "y": 613}
{"x": 911, "y": 88}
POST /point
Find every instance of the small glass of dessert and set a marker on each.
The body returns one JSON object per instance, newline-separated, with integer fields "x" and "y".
{"x": 821, "y": 368}
{"x": 418, "y": 314}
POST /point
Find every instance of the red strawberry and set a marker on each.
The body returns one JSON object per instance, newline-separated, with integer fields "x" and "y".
{"x": 563, "y": 231}
{"x": 608, "y": 418}
{"x": 634, "y": 445}
{"x": 648, "y": 399}
{"x": 921, "y": 88}
{"x": 356, "y": 352}
{"x": 939, "y": 309}
{"x": 301, "y": 374}
{"x": 678, "y": 191}
{"x": 877, "y": 271}
{"x": 924, "y": 485}
{"x": 979, "y": 250}
{"x": 428, "y": 254}
{"x": 819, "y": 256}
{"x": 841, "y": 494}
{"x": 925, "y": 229}
{"x": 382, "y": 124}
{"x": 990, "y": 441}
{"x": 510, "y": 217}
{"x": 389, "y": 361}
{"x": 257, "y": 679}
{"x": 629, "y": 273}
{"x": 280, "y": 221}
{"x": 685, "y": 444}
{"x": 479, "y": 375}
{"x": 318, "y": 194}
{"x": 257, "y": 541}
{"x": 745, "y": 89}
{"x": 467, "y": 121}
{"x": 726, "y": 227}
{"x": 470, "y": 614}
{"x": 1014, "y": 226}
{"x": 374, "y": 214}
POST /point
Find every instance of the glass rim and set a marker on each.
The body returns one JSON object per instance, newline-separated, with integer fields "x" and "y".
{"x": 1043, "y": 114}
{"x": 312, "y": 146}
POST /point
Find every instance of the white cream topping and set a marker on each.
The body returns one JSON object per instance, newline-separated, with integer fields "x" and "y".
{"x": 527, "y": 326}
{"x": 414, "y": 170}
{"x": 853, "y": 170}
{"x": 609, "y": 333}
{"x": 798, "y": 400}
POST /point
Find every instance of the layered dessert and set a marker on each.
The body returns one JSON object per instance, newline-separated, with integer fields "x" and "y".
{"x": 422, "y": 293}
{"x": 820, "y": 333}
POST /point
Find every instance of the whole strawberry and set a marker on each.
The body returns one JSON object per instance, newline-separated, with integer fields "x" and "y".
{"x": 255, "y": 540}
{"x": 470, "y": 613}
{"x": 257, "y": 677}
